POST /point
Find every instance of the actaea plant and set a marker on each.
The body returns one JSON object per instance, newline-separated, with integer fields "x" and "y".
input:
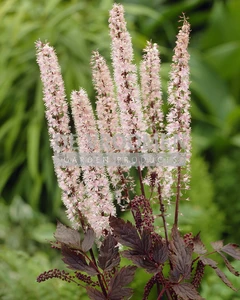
{"x": 129, "y": 123}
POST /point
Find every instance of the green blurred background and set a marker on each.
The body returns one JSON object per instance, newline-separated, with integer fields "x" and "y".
{"x": 30, "y": 199}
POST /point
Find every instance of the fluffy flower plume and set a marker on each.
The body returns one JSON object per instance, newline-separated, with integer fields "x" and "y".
{"x": 178, "y": 119}
{"x": 99, "y": 205}
{"x": 151, "y": 89}
{"x": 59, "y": 129}
{"x": 125, "y": 75}
{"x": 109, "y": 124}
{"x": 106, "y": 104}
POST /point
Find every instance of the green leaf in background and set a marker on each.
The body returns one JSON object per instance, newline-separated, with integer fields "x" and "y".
{"x": 75, "y": 28}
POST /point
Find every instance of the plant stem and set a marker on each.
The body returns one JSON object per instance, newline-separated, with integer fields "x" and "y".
{"x": 163, "y": 213}
{"x": 98, "y": 275}
{"x": 161, "y": 294}
{"x": 141, "y": 181}
{"x": 177, "y": 196}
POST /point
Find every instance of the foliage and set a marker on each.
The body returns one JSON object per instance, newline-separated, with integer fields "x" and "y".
{"x": 226, "y": 173}
{"x": 147, "y": 251}
{"x": 24, "y": 252}
{"x": 17, "y": 270}
{"x": 17, "y": 221}
{"x": 203, "y": 209}
{"x": 212, "y": 289}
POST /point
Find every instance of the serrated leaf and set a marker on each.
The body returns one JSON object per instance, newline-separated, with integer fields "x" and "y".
{"x": 95, "y": 294}
{"x": 121, "y": 293}
{"x": 224, "y": 278}
{"x": 228, "y": 265}
{"x": 221, "y": 275}
{"x": 125, "y": 232}
{"x": 180, "y": 257}
{"x": 67, "y": 236}
{"x": 119, "y": 280}
{"x": 217, "y": 245}
{"x": 142, "y": 261}
{"x": 76, "y": 261}
{"x": 186, "y": 291}
{"x": 198, "y": 246}
{"x": 208, "y": 262}
{"x": 160, "y": 252}
{"x": 146, "y": 240}
{"x": 109, "y": 256}
{"x": 232, "y": 250}
{"x": 88, "y": 240}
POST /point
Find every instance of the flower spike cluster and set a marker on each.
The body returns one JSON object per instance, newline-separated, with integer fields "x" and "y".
{"x": 86, "y": 191}
{"x": 92, "y": 192}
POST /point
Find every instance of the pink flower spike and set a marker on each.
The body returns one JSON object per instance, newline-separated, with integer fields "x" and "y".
{"x": 59, "y": 130}
{"x": 151, "y": 88}
{"x": 125, "y": 76}
{"x": 178, "y": 119}
{"x": 99, "y": 205}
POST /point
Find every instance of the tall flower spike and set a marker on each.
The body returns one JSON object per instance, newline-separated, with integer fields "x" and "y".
{"x": 152, "y": 107}
{"x": 109, "y": 123}
{"x": 99, "y": 205}
{"x": 178, "y": 118}
{"x": 106, "y": 104}
{"x": 125, "y": 76}
{"x": 151, "y": 88}
{"x": 59, "y": 129}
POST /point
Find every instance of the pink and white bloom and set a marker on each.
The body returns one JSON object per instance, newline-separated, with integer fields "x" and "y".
{"x": 151, "y": 89}
{"x": 99, "y": 205}
{"x": 125, "y": 77}
{"x": 59, "y": 130}
{"x": 109, "y": 124}
{"x": 178, "y": 119}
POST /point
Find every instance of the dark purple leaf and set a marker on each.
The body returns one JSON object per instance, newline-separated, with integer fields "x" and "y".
{"x": 121, "y": 293}
{"x": 228, "y": 265}
{"x": 88, "y": 240}
{"x": 198, "y": 246}
{"x": 221, "y": 275}
{"x": 232, "y": 250}
{"x": 119, "y": 280}
{"x": 95, "y": 294}
{"x": 208, "y": 262}
{"x": 186, "y": 291}
{"x": 146, "y": 241}
{"x": 125, "y": 232}
{"x": 67, "y": 236}
{"x": 160, "y": 252}
{"x": 217, "y": 245}
{"x": 180, "y": 257}
{"x": 224, "y": 278}
{"x": 142, "y": 261}
{"x": 124, "y": 276}
{"x": 76, "y": 261}
{"x": 109, "y": 256}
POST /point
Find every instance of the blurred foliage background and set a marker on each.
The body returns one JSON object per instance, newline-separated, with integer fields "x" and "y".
{"x": 30, "y": 199}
